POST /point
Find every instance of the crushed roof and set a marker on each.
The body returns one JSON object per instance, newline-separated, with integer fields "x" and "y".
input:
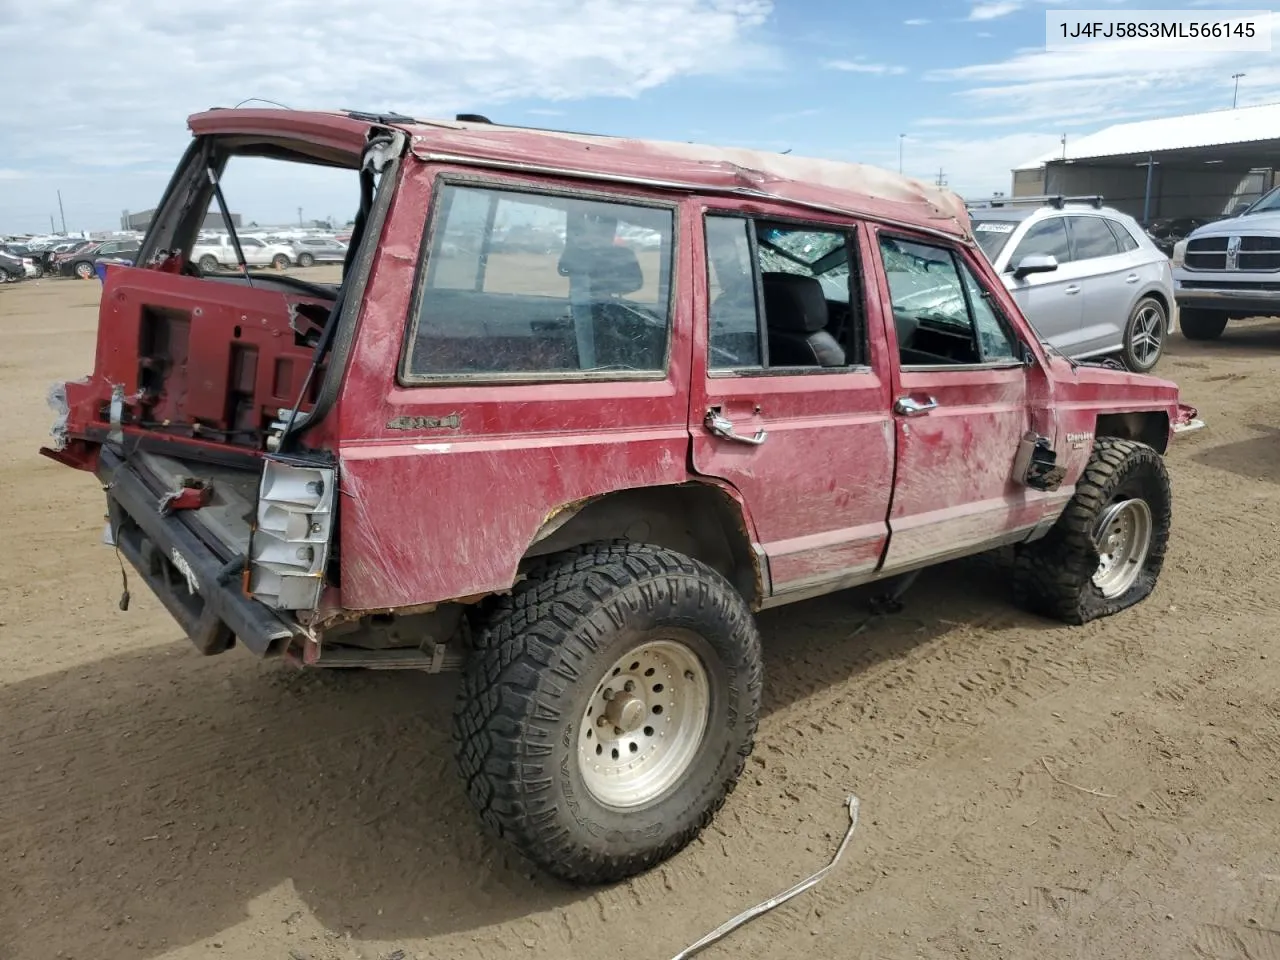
{"x": 830, "y": 185}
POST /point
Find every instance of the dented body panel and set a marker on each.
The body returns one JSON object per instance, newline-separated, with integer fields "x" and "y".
{"x": 446, "y": 485}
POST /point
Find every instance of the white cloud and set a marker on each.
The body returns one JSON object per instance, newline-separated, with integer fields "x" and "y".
{"x": 994, "y": 10}
{"x": 916, "y": 21}
{"x": 119, "y": 79}
{"x": 861, "y": 66}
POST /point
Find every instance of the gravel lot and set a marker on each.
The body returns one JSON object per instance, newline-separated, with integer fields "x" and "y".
{"x": 154, "y": 803}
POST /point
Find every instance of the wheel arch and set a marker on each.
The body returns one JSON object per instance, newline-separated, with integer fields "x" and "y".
{"x": 1145, "y": 426}
{"x": 1159, "y": 295}
{"x": 701, "y": 520}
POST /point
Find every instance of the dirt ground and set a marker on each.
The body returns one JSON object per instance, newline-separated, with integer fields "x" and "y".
{"x": 154, "y": 803}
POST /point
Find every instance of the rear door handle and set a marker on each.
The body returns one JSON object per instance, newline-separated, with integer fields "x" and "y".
{"x": 1131, "y": 278}
{"x": 1072, "y": 290}
{"x": 722, "y": 427}
{"x": 910, "y": 407}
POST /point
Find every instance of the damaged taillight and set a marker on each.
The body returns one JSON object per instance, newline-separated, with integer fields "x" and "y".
{"x": 290, "y": 544}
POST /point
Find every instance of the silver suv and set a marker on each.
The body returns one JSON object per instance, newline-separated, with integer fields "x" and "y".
{"x": 1229, "y": 270}
{"x": 1087, "y": 277}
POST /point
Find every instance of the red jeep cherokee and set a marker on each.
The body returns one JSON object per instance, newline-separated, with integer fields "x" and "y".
{"x": 572, "y": 410}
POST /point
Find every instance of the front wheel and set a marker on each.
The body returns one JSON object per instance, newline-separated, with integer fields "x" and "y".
{"x": 306, "y": 260}
{"x": 608, "y": 709}
{"x": 208, "y": 263}
{"x": 1105, "y": 552}
{"x": 5, "y": 277}
{"x": 1144, "y": 335}
{"x": 280, "y": 261}
{"x": 84, "y": 270}
{"x": 1202, "y": 324}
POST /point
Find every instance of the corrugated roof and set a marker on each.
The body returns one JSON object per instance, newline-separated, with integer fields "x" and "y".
{"x": 1215, "y": 128}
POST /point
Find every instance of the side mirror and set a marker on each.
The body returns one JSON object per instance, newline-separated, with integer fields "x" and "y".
{"x": 1240, "y": 208}
{"x": 1035, "y": 263}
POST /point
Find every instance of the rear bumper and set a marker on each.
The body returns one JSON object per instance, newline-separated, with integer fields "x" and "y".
{"x": 199, "y": 588}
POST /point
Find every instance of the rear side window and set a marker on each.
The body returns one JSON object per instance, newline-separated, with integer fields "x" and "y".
{"x": 1091, "y": 238}
{"x": 1123, "y": 237}
{"x": 538, "y": 285}
{"x": 1046, "y": 238}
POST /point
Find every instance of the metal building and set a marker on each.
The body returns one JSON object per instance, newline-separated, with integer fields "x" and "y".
{"x": 1202, "y": 165}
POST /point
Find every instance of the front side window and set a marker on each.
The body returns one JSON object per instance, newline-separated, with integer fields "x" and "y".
{"x": 536, "y": 284}
{"x": 250, "y": 242}
{"x": 1091, "y": 238}
{"x": 1046, "y": 238}
{"x": 940, "y": 311}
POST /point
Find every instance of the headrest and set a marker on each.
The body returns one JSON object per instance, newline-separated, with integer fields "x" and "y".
{"x": 611, "y": 271}
{"x": 794, "y": 303}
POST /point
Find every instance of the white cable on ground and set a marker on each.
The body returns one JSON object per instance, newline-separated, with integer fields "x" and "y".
{"x": 726, "y": 928}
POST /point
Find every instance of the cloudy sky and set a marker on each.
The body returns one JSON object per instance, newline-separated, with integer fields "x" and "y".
{"x": 97, "y": 91}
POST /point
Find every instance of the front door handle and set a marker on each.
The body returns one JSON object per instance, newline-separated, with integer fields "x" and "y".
{"x": 722, "y": 427}
{"x": 1072, "y": 290}
{"x": 910, "y": 407}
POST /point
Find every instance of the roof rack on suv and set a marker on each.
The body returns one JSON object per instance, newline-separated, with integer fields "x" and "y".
{"x": 1054, "y": 200}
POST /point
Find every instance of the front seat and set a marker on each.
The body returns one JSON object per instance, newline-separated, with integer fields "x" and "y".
{"x": 796, "y": 316}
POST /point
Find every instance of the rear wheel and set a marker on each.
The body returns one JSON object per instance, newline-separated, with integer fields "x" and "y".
{"x": 5, "y": 276}
{"x": 1105, "y": 552}
{"x": 208, "y": 263}
{"x": 280, "y": 261}
{"x": 84, "y": 270}
{"x": 1202, "y": 324}
{"x": 608, "y": 708}
{"x": 1144, "y": 335}
{"x": 306, "y": 260}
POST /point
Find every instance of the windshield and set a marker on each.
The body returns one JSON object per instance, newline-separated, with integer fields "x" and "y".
{"x": 816, "y": 254}
{"x": 1267, "y": 203}
{"x": 992, "y": 235}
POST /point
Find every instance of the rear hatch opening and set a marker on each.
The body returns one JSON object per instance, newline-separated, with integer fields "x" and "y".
{"x": 205, "y": 414}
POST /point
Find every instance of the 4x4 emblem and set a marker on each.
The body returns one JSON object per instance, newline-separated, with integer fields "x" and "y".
{"x": 1233, "y": 253}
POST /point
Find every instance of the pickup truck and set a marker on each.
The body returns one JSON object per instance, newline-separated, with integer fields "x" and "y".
{"x": 575, "y": 471}
{"x": 1227, "y": 270}
{"x": 219, "y": 252}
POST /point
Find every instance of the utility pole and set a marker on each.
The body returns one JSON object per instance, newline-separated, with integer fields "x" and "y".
{"x": 299, "y": 216}
{"x": 942, "y": 178}
{"x": 52, "y": 228}
{"x": 1236, "y": 77}
{"x": 901, "y": 138}
{"x": 1064, "y": 146}
{"x": 62, "y": 213}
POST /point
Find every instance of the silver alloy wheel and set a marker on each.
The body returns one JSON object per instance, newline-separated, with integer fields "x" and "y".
{"x": 1123, "y": 537}
{"x": 644, "y": 724}
{"x": 84, "y": 270}
{"x": 1146, "y": 336}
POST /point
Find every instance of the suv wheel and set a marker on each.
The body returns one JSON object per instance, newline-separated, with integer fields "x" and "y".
{"x": 280, "y": 261}
{"x": 306, "y": 260}
{"x": 1144, "y": 335}
{"x": 1106, "y": 550}
{"x": 84, "y": 270}
{"x": 208, "y": 263}
{"x": 608, "y": 708}
{"x": 1202, "y": 324}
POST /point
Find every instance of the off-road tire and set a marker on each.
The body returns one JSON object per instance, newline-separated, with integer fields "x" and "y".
{"x": 84, "y": 270}
{"x": 280, "y": 261}
{"x": 1142, "y": 311}
{"x": 208, "y": 263}
{"x": 536, "y": 662}
{"x": 306, "y": 260}
{"x": 1202, "y": 324}
{"x": 1053, "y": 576}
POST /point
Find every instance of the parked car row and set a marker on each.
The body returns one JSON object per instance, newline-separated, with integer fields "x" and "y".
{"x": 217, "y": 252}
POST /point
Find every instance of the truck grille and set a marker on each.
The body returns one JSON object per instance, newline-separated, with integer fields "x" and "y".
{"x": 1249, "y": 253}
{"x": 1209, "y": 253}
